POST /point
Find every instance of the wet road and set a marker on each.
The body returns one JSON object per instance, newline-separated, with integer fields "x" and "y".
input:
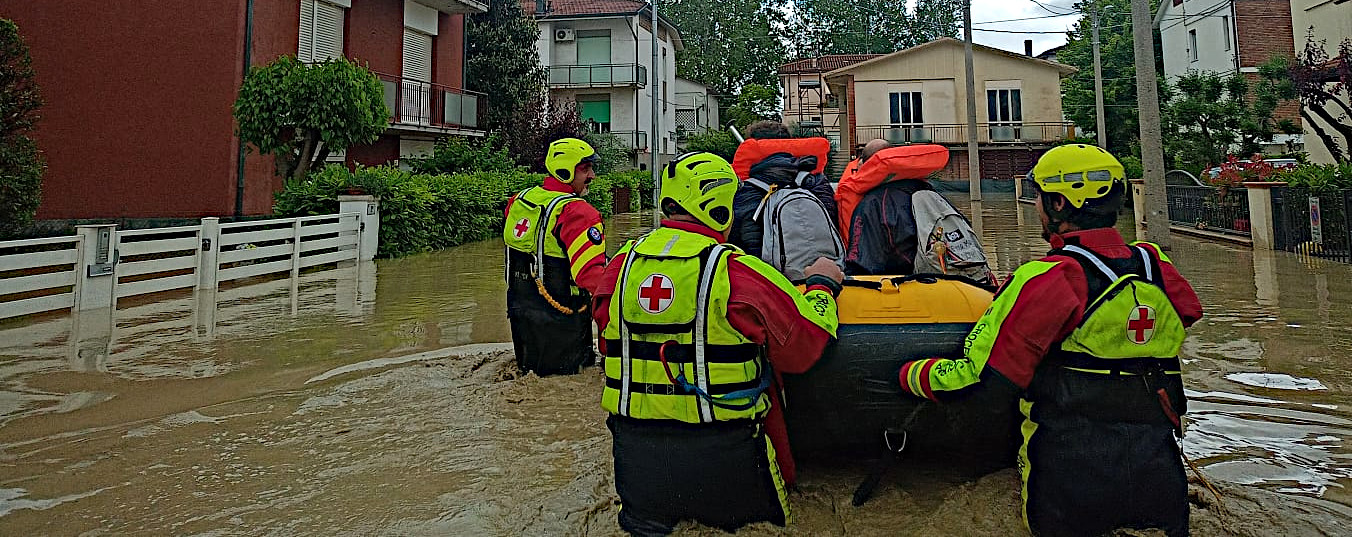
{"x": 349, "y": 404}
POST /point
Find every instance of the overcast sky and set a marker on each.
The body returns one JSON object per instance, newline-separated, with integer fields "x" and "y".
{"x": 1001, "y": 10}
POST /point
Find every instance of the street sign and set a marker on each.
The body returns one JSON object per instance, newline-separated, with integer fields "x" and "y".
{"x": 1316, "y": 224}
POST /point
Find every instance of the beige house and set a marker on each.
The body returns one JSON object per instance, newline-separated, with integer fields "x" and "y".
{"x": 917, "y": 95}
{"x": 1329, "y": 21}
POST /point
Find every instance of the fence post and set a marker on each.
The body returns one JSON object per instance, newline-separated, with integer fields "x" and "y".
{"x": 95, "y": 271}
{"x": 1018, "y": 187}
{"x": 369, "y": 231}
{"x": 295, "y": 249}
{"x": 208, "y": 251}
{"x": 1260, "y": 214}
{"x": 1138, "y": 206}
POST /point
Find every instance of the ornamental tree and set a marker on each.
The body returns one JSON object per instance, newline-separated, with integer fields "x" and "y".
{"x": 20, "y": 164}
{"x": 302, "y": 112}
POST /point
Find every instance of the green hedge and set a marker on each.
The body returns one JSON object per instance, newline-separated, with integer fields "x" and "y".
{"x": 423, "y": 212}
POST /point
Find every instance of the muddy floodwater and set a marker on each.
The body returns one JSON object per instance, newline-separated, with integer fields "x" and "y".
{"x": 381, "y": 399}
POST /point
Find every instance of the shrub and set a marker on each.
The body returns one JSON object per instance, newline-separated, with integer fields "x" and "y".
{"x": 718, "y": 142}
{"x": 21, "y": 165}
{"x": 612, "y": 154}
{"x": 1132, "y": 166}
{"x": 1318, "y": 177}
{"x": 421, "y": 212}
{"x": 457, "y": 154}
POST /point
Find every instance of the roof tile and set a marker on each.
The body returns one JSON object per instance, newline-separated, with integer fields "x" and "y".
{"x": 823, "y": 64}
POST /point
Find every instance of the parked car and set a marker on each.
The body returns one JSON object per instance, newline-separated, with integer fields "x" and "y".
{"x": 1181, "y": 178}
{"x": 1277, "y": 164}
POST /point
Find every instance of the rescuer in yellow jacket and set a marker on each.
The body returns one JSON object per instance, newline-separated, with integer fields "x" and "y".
{"x": 1086, "y": 341}
{"x": 555, "y": 254}
{"x": 694, "y": 333}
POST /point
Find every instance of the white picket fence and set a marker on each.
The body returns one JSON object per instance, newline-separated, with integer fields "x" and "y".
{"x": 100, "y": 265}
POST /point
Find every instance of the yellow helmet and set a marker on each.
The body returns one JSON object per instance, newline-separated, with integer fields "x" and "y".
{"x": 564, "y": 155}
{"x": 1077, "y": 171}
{"x": 703, "y": 184}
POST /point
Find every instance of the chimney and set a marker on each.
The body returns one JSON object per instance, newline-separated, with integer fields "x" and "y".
{"x": 1027, "y": 47}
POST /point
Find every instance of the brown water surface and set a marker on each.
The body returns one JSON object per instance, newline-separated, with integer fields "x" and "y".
{"x": 375, "y": 399}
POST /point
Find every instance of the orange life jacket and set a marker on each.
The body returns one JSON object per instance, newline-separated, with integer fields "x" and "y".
{"x": 904, "y": 162}
{"x": 754, "y": 150}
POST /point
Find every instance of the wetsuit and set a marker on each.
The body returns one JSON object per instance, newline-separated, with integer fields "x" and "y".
{"x": 703, "y": 443}
{"x": 566, "y": 255}
{"x": 1086, "y": 340}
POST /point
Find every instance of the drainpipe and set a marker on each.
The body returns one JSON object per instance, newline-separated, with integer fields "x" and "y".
{"x": 248, "y": 54}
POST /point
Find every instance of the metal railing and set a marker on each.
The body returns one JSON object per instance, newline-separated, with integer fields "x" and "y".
{"x": 631, "y": 139}
{"x": 1223, "y": 210}
{"x": 1328, "y": 234}
{"x": 418, "y": 103}
{"x": 598, "y": 75}
{"x": 987, "y": 133}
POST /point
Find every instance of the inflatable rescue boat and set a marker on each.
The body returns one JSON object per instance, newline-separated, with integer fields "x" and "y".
{"x": 851, "y": 397}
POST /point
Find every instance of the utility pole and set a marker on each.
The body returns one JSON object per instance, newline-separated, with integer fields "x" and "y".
{"x": 654, "y": 137}
{"x": 1098, "y": 82}
{"x": 973, "y": 158}
{"x": 1148, "y": 102}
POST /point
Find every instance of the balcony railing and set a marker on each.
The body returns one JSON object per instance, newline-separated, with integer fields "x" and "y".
{"x": 953, "y": 134}
{"x": 632, "y": 139}
{"x": 417, "y": 103}
{"x": 598, "y": 76}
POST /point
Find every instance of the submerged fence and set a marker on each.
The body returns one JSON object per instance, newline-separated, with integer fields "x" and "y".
{"x": 100, "y": 264}
{"x": 1223, "y": 210}
{"x": 1313, "y": 223}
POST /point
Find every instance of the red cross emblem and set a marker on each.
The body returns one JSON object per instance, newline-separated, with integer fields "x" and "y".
{"x": 1141, "y": 325}
{"x": 522, "y": 227}
{"x": 655, "y": 294}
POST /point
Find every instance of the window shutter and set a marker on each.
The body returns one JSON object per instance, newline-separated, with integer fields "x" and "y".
{"x": 417, "y": 55}
{"x": 305, "y": 49}
{"x": 328, "y": 31}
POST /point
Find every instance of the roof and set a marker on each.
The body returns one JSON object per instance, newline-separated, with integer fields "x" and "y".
{"x": 585, "y": 9}
{"x": 590, "y": 7}
{"x": 1064, "y": 69}
{"x": 823, "y": 64}
{"x": 1050, "y": 52}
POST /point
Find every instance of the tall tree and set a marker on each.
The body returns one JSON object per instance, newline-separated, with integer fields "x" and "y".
{"x": 1210, "y": 116}
{"x": 729, "y": 44}
{"x": 1323, "y": 83}
{"x": 870, "y": 26}
{"x": 501, "y": 62}
{"x": 20, "y": 163}
{"x": 1119, "y": 74}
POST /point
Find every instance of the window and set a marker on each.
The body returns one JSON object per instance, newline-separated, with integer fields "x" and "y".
{"x": 1225, "y": 30}
{"x": 1192, "y": 45}
{"x": 907, "y": 109}
{"x": 1004, "y": 105}
{"x": 595, "y": 112}
{"x": 321, "y": 31}
{"x": 1004, "y": 112}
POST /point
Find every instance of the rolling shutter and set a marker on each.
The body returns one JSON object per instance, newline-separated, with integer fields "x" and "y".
{"x": 417, "y": 55}
{"x": 321, "y": 31}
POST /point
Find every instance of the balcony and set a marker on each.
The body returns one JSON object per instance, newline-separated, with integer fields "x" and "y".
{"x": 612, "y": 75}
{"x": 637, "y": 140}
{"x": 427, "y": 107}
{"x": 956, "y": 134}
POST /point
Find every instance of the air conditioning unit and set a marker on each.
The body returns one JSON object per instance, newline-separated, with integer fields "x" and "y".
{"x": 564, "y": 34}
{"x": 1003, "y": 134}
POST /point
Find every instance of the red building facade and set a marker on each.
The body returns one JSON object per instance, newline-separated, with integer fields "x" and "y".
{"x": 137, "y": 118}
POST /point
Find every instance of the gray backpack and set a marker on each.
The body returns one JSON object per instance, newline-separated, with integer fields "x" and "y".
{"x": 945, "y": 241}
{"x": 796, "y": 228}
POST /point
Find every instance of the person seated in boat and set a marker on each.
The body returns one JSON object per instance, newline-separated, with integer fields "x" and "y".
{"x": 900, "y": 225}
{"x": 694, "y": 333}
{"x": 772, "y": 157}
{"x": 1085, "y": 341}
{"x": 864, "y": 151}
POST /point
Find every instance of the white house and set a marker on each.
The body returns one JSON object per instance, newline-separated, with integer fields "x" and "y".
{"x": 1227, "y": 36}
{"x": 696, "y": 109}
{"x": 598, "y": 55}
